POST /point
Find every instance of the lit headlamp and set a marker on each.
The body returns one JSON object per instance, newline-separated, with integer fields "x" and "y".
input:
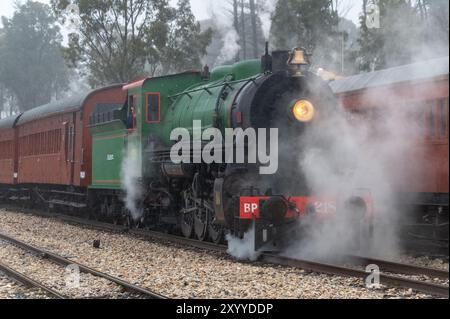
{"x": 303, "y": 111}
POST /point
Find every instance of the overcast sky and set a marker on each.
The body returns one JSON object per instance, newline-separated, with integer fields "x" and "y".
{"x": 201, "y": 8}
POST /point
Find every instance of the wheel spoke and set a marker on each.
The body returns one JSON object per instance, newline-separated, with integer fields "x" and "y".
{"x": 215, "y": 233}
{"x": 187, "y": 225}
{"x": 201, "y": 226}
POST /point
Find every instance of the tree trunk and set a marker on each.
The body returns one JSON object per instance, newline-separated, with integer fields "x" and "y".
{"x": 254, "y": 29}
{"x": 236, "y": 22}
{"x": 243, "y": 35}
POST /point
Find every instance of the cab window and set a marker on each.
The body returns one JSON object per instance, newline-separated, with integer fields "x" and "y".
{"x": 153, "y": 113}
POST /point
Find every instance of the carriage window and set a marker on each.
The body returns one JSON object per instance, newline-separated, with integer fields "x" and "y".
{"x": 6, "y": 150}
{"x": 444, "y": 117}
{"x": 153, "y": 108}
{"x": 432, "y": 119}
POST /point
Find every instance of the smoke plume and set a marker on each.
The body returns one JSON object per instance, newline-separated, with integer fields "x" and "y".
{"x": 230, "y": 38}
{"x": 265, "y": 15}
{"x": 243, "y": 249}
{"x": 363, "y": 156}
{"x": 130, "y": 175}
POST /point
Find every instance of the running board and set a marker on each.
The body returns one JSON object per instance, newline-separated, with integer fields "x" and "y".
{"x": 54, "y": 202}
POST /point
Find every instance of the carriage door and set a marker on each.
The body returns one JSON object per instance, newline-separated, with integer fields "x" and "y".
{"x": 70, "y": 147}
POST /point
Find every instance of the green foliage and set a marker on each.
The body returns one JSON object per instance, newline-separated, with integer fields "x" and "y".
{"x": 312, "y": 24}
{"x": 409, "y": 31}
{"x": 31, "y": 64}
{"x": 185, "y": 44}
{"x": 121, "y": 40}
{"x": 435, "y": 13}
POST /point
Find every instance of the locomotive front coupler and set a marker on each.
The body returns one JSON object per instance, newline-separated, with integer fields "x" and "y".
{"x": 270, "y": 237}
{"x": 273, "y": 228}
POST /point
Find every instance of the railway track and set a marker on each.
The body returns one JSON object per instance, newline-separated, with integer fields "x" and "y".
{"x": 385, "y": 266}
{"x": 60, "y": 260}
{"x": 394, "y": 267}
{"x": 29, "y": 282}
{"x": 394, "y": 280}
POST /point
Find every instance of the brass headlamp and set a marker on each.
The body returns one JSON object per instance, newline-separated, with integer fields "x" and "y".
{"x": 303, "y": 111}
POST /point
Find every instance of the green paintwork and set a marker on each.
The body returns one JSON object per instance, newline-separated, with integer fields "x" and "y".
{"x": 185, "y": 97}
{"x": 220, "y": 72}
{"x": 246, "y": 69}
{"x": 108, "y": 151}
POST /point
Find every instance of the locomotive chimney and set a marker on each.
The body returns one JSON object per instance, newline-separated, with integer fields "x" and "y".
{"x": 205, "y": 73}
{"x": 266, "y": 60}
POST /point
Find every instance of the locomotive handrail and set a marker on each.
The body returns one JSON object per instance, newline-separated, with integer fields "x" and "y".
{"x": 207, "y": 88}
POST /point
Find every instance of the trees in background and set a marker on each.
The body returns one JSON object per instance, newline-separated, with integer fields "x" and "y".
{"x": 115, "y": 41}
{"x": 409, "y": 31}
{"x": 434, "y": 17}
{"x": 313, "y": 24}
{"x": 121, "y": 40}
{"x": 186, "y": 43}
{"x": 32, "y": 69}
{"x": 248, "y": 24}
{"x": 303, "y": 22}
{"x": 8, "y": 105}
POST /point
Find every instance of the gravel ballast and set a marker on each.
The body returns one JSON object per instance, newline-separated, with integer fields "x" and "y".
{"x": 9, "y": 289}
{"x": 180, "y": 272}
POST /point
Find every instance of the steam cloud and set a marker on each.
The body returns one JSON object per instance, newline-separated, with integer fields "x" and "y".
{"x": 229, "y": 36}
{"x": 130, "y": 175}
{"x": 373, "y": 157}
{"x": 243, "y": 249}
{"x": 266, "y": 17}
{"x": 348, "y": 155}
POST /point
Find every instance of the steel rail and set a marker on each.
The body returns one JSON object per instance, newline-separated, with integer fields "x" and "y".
{"x": 400, "y": 268}
{"x": 389, "y": 280}
{"x": 83, "y": 268}
{"x": 29, "y": 282}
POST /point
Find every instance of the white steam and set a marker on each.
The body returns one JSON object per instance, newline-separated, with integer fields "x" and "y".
{"x": 224, "y": 25}
{"x": 362, "y": 157}
{"x": 265, "y": 15}
{"x": 131, "y": 173}
{"x": 243, "y": 249}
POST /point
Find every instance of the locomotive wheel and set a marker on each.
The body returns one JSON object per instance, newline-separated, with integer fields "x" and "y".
{"x": 200, "y": 226}
{"x": 215, "y": 233}
{"x": 187, "y": 225}
{"x": 104, "y": 208}
{"x": 117, "y": 214}
{"x": 132, "y": 224}
{"x": 113, "y": 215}
{"x": 93, "y": 214}
{"x": 129, "y": 222}
{"x": 137, "y": 224}
{"x": 117, "y": 220}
